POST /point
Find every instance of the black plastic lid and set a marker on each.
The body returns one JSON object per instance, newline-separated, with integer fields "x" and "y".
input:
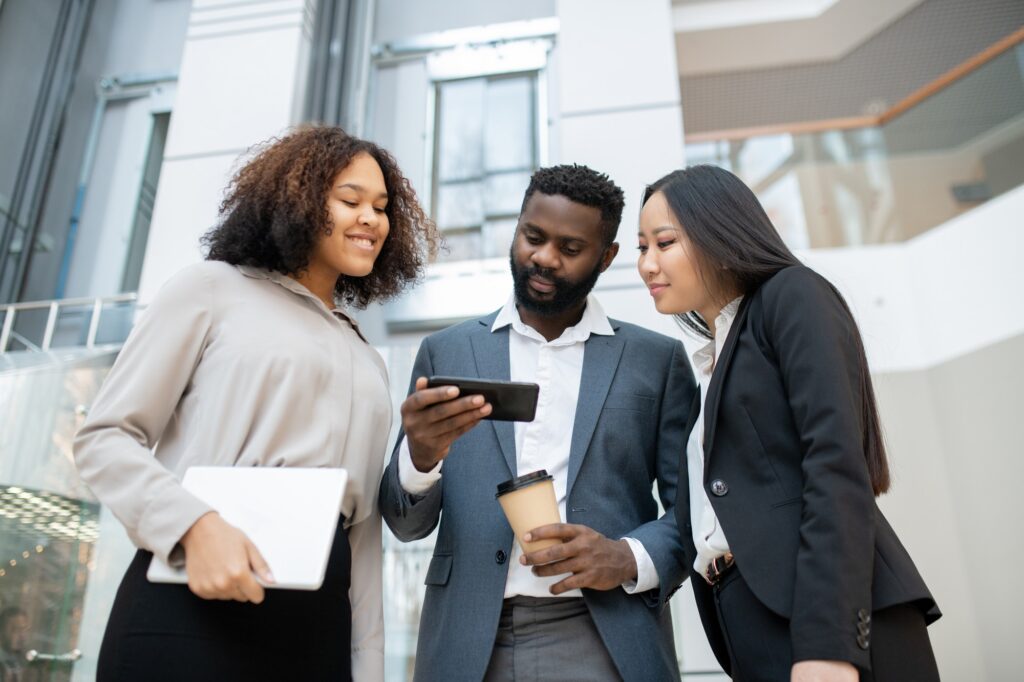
{"x": 523, "y": 481}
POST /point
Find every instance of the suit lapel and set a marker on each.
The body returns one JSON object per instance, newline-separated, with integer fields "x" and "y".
{"x": 600, "y": 360}
{"x": 682, "y": 508}
{"x": 490, "y": 350}
{"x": 718, "y": 376}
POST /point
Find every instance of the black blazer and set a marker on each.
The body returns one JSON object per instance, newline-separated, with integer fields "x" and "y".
{"x": 786, "y": 475}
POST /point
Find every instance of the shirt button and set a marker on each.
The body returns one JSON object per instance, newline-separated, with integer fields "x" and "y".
{"x": 719, "y": 487}
{"x": 500, "y": 556}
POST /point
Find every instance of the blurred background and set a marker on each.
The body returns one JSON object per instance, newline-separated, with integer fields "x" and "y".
{"x": 884, "y": 137}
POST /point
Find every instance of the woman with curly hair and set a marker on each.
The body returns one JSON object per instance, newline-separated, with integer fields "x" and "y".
{"x": 248, "y": 360}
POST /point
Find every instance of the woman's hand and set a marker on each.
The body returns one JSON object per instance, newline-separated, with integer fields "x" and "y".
{"x": 221, "y": 561}
{"x": 824, "y": 671}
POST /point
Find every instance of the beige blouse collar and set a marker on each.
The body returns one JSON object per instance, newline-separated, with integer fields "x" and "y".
{"x": 296, "y": 288}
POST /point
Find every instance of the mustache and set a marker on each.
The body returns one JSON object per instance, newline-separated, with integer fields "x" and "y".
{"x": 544, "y": 273}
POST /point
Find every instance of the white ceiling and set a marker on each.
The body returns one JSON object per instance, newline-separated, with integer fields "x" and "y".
{"x": 703, "y": 15}
{"x": 719, "y": 36}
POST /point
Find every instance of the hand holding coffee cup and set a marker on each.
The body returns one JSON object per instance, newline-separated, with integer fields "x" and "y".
{"x": 529, "y": 502}
{"x": 595, "y": 561}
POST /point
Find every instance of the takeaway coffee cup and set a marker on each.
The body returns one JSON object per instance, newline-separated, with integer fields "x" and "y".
{"x": 529, "y": 502}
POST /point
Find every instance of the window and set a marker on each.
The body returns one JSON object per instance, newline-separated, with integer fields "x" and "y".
{"x": 485, "y": 149}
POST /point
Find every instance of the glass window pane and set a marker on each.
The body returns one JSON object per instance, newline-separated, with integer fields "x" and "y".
{"x": 27, "y": 32}
{"x": 460, "y": 129}
{"x": 460, "y": 205}
{"x": 486, "y": 150}
{"x": 497, "y": 237}
{"x": 509, "y": 133}
{"x": 503, "y": 193}
{"x": 461, "y": 245}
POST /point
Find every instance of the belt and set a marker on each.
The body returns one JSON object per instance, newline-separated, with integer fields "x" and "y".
{"x": 718, "y": 567}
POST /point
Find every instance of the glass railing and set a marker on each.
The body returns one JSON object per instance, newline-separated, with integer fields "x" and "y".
{"x": 947, "y": 148}
{"x": 67, "y": 323}
{"x": 50, "y": 524}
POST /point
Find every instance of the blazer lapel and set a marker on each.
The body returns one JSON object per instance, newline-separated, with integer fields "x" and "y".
{"x": 600, "y": 360}
{"x": 490, "y": 350}
{"x": 718, "y": 376}
{"x": 682, "y": 508}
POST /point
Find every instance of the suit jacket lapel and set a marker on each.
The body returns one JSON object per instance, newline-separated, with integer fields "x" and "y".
{"x": 490, "y": 350}
{"x": 682, "y": 508}
{"x": 600, "y": 360}
{"x": 718, "y": 376}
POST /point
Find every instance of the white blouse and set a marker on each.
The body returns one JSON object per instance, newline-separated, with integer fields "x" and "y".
{"x": 238, "y": 366}
{"x": 708, "y": 537}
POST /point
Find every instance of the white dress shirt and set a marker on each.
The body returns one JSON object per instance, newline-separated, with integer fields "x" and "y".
{"x": 708, "y": 536}
{"x": 544, "y": 443}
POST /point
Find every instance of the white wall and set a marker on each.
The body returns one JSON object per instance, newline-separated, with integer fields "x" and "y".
{"x": 401, "y": 19}
{"x": 240, "y": 83}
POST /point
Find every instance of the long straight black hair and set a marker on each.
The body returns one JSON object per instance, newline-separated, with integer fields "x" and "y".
{"x": 736, "y": 248}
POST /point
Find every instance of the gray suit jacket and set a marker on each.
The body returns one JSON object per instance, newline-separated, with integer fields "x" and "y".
{"x": 629, "y": 431}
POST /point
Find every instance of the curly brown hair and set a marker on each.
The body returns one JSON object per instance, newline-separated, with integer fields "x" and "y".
{"x": 275, "y": 213}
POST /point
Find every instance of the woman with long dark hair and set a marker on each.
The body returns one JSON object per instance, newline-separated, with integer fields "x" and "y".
{"x": 250, "y": 359}
{"x": 796, "y": 573}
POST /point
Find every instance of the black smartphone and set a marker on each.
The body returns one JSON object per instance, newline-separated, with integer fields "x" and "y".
{"x": 511, "y": 401}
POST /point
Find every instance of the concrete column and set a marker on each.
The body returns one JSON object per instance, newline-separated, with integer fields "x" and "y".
{"x": 241, "y": 82}
{"x": 618, "y": 94}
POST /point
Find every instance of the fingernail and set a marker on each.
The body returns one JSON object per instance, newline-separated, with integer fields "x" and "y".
{"x": 478, "y": 400}
{"x": 452, "y": 391}
{"x": 528, "y": 537}
{"x": 522, "y": 560}
{"x": 486, "y": 409}
{"x": 268, "y": 576}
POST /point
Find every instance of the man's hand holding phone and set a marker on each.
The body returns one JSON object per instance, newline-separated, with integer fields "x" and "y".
{"x": 434, "y": 417}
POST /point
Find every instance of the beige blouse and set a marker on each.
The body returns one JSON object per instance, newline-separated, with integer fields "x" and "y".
{"x": 238, "y": 366}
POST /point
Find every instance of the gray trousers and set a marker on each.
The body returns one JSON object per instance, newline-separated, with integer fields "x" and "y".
{"x": 549, "y": 640}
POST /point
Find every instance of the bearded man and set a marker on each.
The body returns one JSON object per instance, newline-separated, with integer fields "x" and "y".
{"x": 610, "y": 422}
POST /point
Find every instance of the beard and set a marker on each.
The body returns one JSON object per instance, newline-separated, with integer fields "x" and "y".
{"x": 567, "y": 293}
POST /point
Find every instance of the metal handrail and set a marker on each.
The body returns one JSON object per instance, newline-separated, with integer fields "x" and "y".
{"x": 10, "y": 310}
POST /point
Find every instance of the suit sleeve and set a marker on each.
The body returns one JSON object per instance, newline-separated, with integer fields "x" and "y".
{"x": 661, "y": 537}
{"x": 810, "y": 330}
{"x": 410, "y": 517}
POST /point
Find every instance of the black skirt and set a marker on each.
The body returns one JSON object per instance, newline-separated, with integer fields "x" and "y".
{"x": 159, "y": 632}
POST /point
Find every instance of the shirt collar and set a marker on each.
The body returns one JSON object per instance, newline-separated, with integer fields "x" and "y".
{"x": 594, "y": 321}
{"x": 704, "y": 357}
{"x": 296, "y": 288}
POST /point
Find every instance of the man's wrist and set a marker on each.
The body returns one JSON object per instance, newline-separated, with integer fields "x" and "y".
{"x": 630, "y": 570}
{"x": 422, "y": 465}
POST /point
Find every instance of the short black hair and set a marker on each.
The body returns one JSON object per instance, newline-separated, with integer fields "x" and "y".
{"x": 585, "y": 186}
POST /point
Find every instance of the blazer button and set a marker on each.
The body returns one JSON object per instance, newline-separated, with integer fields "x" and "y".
{"x": 719, "y": 487}
{"x": 864, "y": 616}
{"x": 500, "y": 556}
{"x": 863, "y": 641}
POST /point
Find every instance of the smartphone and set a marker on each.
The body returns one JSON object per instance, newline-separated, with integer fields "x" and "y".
{"x": 511, "y": 401}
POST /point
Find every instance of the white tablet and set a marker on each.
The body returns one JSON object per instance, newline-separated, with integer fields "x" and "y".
{"x": 290, "y": 514}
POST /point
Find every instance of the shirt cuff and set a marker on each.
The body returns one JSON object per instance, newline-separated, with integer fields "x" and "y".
{"x": 414, "y": 481}
{"x": 646, "y": 573}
